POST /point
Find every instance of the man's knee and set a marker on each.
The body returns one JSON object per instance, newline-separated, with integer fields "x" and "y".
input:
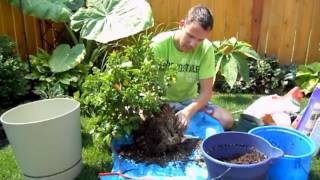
{"x": 225, "y": 118}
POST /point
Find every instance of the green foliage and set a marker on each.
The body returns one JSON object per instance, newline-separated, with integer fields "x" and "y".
{"x": 266, "y": 76}
{"x": 231, "y": 58}
{"x": 105, "y": 21}
{"x": 128, "y": 88}
{"x": 49, "y": 84}
{"x": 12, "y": 72}
{"x": 65, "y": 58}
{"x": 308, "y": 76}
{"x": 58, "y": 11}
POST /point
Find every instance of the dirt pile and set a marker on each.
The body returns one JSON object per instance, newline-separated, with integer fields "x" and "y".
{"x": 158, "y": 140}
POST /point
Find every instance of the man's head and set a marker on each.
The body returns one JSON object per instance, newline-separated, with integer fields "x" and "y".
{"x": 201, "y": 15}
{"x": 194, "y": 28}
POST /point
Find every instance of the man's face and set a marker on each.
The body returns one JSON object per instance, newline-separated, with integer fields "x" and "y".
{"x": 192, "y": 35}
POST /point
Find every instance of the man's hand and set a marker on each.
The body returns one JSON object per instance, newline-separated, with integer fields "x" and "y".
{"x": 183, "y": 119}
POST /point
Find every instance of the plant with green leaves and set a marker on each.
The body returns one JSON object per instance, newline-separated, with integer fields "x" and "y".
{"x": 12, "y": 71}
{"x": 308, "y": 76}
{"x": 266, "y": 76}
{"x": 97, "y": 21}
{"x": 58, "y": 75}
{"x": 128, "y": 89}
{"x": 232, "y": 57}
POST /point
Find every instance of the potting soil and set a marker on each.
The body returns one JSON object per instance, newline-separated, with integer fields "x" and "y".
{"x": 201, "y": 126}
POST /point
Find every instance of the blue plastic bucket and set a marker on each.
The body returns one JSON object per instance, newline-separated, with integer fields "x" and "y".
{"x": 228, "y": 145}
{"x": 298, "y": 152}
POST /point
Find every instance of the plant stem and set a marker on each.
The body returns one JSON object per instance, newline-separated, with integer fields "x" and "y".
{"x": 73, "y": 36}
{"x": 89, "y": 44}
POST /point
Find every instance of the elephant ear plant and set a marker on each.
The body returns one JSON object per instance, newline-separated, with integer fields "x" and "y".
{"x": 97, "y": 21}
{"x": 108, "y": 20}
{"x": 231, "y": 58}
{"x": 125, "y": 92}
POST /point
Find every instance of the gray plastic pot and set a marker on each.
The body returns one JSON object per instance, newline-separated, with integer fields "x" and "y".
{"x": 45, "y": 137}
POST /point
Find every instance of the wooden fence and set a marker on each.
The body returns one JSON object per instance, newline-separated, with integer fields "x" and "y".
{"x": 29, "y": 33}
{"x": 289, "y": 29}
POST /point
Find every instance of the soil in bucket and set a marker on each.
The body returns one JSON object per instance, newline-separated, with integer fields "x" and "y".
{"x": 159, "y": 141}
{"x": 250, "y": 157}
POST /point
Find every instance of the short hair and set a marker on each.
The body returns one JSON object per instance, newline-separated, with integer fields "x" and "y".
{"x": 201, "y": 15}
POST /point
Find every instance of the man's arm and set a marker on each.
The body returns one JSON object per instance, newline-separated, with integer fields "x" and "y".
{"x": 205, "y": 95}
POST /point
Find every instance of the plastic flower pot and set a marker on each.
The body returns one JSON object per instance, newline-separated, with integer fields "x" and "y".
{"x": 228, "y": 145}
{"x": 45, "y": 137}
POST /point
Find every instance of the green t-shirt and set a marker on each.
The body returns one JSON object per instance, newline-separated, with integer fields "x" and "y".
{"x": 192, "y": 66}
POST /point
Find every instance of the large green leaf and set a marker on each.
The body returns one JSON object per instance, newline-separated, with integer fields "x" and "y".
{"x": 315, "y": 67}
{"x": 55, "y": 10}
{"x": 108, "y": 20}
{"x": 230, "y": 70}
{"x": 242, "y": 65}
{"x": 308, "y": 85}
{"x": 308, "y": 76}
{"x": 64, "y": 58}
{"x": 218, "y": 57}
{"x": 249, "y": 52}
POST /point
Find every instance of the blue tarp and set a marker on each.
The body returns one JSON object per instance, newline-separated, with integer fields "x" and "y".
{"x": 201, "y": 126}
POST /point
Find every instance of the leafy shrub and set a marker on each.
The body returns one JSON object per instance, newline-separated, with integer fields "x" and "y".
{"x": 12, "y": 71}
{"x": 232, "y": 57}
{"x": 308, "y": 76}
{"x": 128, "y": 89}
{"x": 49, "y": 83}
{"x": 266, "y": 76}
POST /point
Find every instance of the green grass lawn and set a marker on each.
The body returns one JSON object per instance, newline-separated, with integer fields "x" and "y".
{"x": 95, "y": 160}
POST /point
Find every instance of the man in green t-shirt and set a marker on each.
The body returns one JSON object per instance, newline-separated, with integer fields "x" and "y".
{"x": 189, "y": 48}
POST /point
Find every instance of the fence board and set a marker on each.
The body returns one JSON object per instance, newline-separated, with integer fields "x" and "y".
{"x": 264, "y": 33}
{"x": 19, "y": 31}
{"x": 173, "y": 13}
{"x": 245, "y": 21}
{"x": 31, "y": 36}
{"x": 219, "y": 9}
{"x": 288, "y": 32}
{"x": 275, "y": 26}
{"x": 6, "y": 20}
{"x": 1, "y": 24}
{"x": 183, "y": 8}
{"x": 232, "y": 19}
{"x": 314, "y": 50}
{"x": 303, "y": 26}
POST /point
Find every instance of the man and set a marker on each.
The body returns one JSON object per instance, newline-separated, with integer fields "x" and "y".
{"x": 190, "y": 50}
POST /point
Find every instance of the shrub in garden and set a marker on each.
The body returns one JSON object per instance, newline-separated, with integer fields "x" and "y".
{"x": 266, "y": 76}
{"x": 13, "y": 85}
{"x": 126, "y": 91}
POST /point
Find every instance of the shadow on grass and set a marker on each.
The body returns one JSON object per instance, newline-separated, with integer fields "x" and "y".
{"x": 86, "y": 139}
{"x": 90, "y": 172}
{"x": 238, "y": 99}
{"x": 3, "y": 138}
{"x": 3, "y": 143}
